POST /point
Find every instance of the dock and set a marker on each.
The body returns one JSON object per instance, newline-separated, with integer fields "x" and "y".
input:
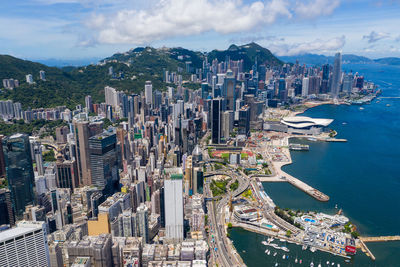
{"x": 335, "y": 140}
{"x": 380, "y": 238}
{"x": 270, "y": 233}
{"x": 365, "y": 249}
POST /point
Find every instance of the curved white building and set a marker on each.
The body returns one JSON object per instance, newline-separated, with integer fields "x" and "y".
{"x": 305, "y": 125}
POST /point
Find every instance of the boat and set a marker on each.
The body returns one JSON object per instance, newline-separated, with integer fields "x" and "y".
{"x": 300, "y": 261}
{"x": 285, "y": 249}
{"x": 313, "y": 249}
{"x": 319, "y": 265}
{"x": 312, "y": 139}
{"x": 269, "y": 252}
{"x": 338, "y": 265}
{"x": 264, "y": 243}
{"x": 312, "y": 264}
{"x": 283, "y": 257}
{"x": 295, "y": 261}
{"x": 266, "y": 251}
{"x": 282, "y": 240}
{"x": 388, "y": 105}
{"x": 244, "y": 251}
{"x": 304, "y": 247}
{"x": 287, "y": 256}
{"x": 270, "y": 239}
{"x": 276, "y": 264}
{"x": 361, "y": 108}
{"x": 347, "y": 260}
{"x": 333, "y": 263}
{"x": 336, "y": 206}
{"x": 275, "y": 254}
{"x": 327, "y": 262}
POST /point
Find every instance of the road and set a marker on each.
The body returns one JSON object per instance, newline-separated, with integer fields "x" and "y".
{"x": 224, "y": 254}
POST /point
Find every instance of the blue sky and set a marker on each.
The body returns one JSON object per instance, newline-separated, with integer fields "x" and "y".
{"x": 74, "y": 29}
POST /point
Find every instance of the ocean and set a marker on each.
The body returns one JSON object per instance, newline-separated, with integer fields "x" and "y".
{"x": 361, "y": 176}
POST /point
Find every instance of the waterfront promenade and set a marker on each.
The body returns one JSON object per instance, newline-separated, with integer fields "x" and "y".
{"x": 281, "y": 176}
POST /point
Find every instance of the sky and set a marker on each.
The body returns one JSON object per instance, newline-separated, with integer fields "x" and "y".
{"x": 78, "y": 29}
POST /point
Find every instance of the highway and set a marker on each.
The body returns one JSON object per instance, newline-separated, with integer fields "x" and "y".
{"x": 224, "y": 253}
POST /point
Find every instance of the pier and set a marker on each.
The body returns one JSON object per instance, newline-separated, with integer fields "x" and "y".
{"x": 380, "y": 238}
{"x": 282, "y": 176}
{"x": 365, "y": 249}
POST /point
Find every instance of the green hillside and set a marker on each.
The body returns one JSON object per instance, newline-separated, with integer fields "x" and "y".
{"x": 248, "y": 53}
{"x": 69, "y": 85}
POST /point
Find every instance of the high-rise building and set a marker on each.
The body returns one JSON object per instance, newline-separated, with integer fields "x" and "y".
{"x": 244, "y": 121}
{"x": 229, "y": 90}
{"x": 82, "y": 135}
{"x": 42, "y": 75}
{"x": 37, "y": 152}
{"x": 18, "y": 161}
{"x": 6, "y": 210}
{"x": 304, "y": 89}
{"x": 25, "y": 245}
{"x": 216, "y": 105}
{"x": 2, "y": 163}
{"x": 104, "y": 161}
{"x": 29, "y": 78}
{"x": 67, "y": 173}
{"x": 336, "y": 75}
{"x": 148, "y": 93}
{"x": 142, "y": 220}
{"x": 88, "y": 103}
{"x": 174, "y": 208}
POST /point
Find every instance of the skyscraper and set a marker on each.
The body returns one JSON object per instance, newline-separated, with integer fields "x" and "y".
{"x": 148, "y": 93}
{"x": 174, "y": 208}
{"x": 228, "y": 90}
{"x": 6, "y": 211}
{"x": 25, "y": 245}
{"x": 216, "y": 120}
{"x": 143, "y": 222}
{"x": 104, "y": 161}
{"x": 88, "y": 103}
{"x": 304, "y": 89}
{"x": 37, "y": 152}
{"x": 82, "y": 135}
{"x": 336, "y": 75}
{"x": 18, "y": 161}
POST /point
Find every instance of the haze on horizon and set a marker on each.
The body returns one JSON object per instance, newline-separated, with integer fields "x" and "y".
{"x": 76, "y": 29}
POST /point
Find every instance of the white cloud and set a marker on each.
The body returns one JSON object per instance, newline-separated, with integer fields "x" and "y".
{"x": 316, "y": 46}
{"x": 314, "y": 8}
{"x": 375, "y": 36}
{"x": 173, "y": 18}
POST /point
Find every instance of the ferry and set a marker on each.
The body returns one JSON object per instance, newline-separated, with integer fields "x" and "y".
{"x": 299, "y": 147}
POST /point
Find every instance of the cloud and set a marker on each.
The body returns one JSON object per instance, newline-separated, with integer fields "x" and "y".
{"x": 375, "y": 36}
{"x": 175, "y": 18}
{"x": 316, "y": 46}
{"x": 315, "y": 8}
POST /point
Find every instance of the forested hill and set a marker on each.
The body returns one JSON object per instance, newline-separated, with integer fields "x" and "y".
{"x": 69, "y": 85}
